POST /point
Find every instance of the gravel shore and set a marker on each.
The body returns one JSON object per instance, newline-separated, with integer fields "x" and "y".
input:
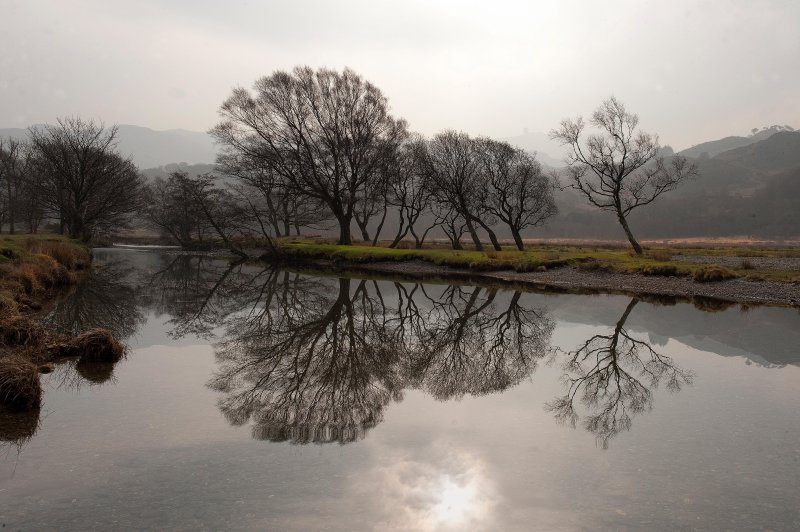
{"x": 568, "y": 278}
{"x": 777, "y": 263}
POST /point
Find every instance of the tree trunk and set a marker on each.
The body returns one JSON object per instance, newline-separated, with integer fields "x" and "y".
{"x": 624, "y": 223}
{"x": 344, "y": 231}
{"x": 517, "y": 239}
{"x": 380, "y": 228}
{"x": 492, "y": 237}
{"x": 474, "y": 235}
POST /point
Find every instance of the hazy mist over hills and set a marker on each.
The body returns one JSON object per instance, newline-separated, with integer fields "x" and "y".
{"x": 748, "y": 185}
{"x": 149, "y": 148}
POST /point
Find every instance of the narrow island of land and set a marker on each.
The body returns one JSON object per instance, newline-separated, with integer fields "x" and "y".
{"x": 35, "y": 270}
{"x": 747, "y": 275}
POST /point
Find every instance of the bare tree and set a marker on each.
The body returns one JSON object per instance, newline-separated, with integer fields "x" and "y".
{"x": 85, "y": 182}
{"x": 13, "y": 162}
{"x": 456, "y": 180}
{"x": 518, "y": 193}
{"x": 173, "y": 209}
{"x": 410, "y": 191}
{"x": 276, "y": 206}
{"x": 619, "y": 169}
{"x": 324, "y": 132}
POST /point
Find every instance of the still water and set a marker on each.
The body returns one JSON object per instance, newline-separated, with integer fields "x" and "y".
{"x": 255, "y": 398}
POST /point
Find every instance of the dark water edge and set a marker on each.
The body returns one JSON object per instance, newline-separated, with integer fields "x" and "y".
{"x": 259, "y": 398}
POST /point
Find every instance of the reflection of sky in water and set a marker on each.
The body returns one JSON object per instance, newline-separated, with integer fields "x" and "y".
{"x": 152, "y": 449}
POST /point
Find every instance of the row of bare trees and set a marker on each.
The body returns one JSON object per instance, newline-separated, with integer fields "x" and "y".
{"x": 326, "y": 140}
{"x": 311, "y": 146}
{"x": 307, "y": 148}
{"x": 70, "y": 173}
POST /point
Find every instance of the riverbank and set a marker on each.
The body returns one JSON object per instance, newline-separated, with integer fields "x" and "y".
{"x": 740, "y": 275}
{"x": 35, "y": 269}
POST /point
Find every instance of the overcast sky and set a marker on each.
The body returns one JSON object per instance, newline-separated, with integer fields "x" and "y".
{"x": 692, "y": 70}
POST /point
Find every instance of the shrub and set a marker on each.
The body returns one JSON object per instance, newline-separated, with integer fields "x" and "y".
{"x": 19, "y": 383}
{"x": 712, "y": 274}
{"x": 661, "y": 255}
{"x": 665, "y": 270}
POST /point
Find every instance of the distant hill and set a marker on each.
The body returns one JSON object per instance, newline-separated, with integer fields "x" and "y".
{"x": 151, "y": 148}
{"x": 777, "y": 153}
{"x": 164, "y": 170}
{"x": 547, "y": 151}
{"x": 715, "y": 147}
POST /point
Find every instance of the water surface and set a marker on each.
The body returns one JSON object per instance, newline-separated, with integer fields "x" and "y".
{"x": 259, "y": 398}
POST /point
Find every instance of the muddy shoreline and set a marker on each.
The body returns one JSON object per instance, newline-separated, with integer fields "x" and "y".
{"x": 570, "y": 279}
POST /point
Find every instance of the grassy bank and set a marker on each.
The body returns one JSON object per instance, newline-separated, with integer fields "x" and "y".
{"x": 654, "y": 262}
{"x": 33, "y": 270}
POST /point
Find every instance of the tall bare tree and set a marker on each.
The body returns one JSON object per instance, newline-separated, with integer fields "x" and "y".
{"x": 619, "y": 169}
{"x": 324, "y": 132}
{"x": 455, "y": 174}
{"x": 85, "y": 182}
{"x": 518, "y": 193}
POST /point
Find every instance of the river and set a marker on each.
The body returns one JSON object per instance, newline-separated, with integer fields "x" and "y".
{"x": 258, "y": 398}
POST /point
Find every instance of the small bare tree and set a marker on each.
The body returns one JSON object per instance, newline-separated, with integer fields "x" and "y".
{"x": 410, "y": 191}
{"x": 619, "y": 169}
{"x": 85, "y": 182}
{"x": 13, "y": 163}
{"x": 518, "y": 193}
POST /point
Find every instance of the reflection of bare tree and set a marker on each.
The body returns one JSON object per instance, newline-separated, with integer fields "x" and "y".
{"x": 613, "y": 376}
{"x": 467, "y": 347}
{"x": 306, "y": 368}
{"x": 194, "y": 291}
{"x": 311, "y": 362}
{"x": 107, "y": 299}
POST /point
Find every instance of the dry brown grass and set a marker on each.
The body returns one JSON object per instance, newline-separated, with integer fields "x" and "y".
{"x": 68, "y": 255}
{"x": 712, "y": 274}
{"x": 21, "y": 331}
{"x": 95, "y": 345}
{"x": 661, "y": 255}
{"x": 31, "y": 267}
{"x": 19, "y": 383}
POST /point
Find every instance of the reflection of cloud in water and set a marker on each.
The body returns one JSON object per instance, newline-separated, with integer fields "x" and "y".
{"x": 444, "y": 489}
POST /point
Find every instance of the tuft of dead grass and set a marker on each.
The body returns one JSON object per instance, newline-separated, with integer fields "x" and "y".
{"x": 712, "y": 274}
{"x": 21, "y": 331}
{"x": 19, "y": 383}
{"x": 95, "y": 345}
